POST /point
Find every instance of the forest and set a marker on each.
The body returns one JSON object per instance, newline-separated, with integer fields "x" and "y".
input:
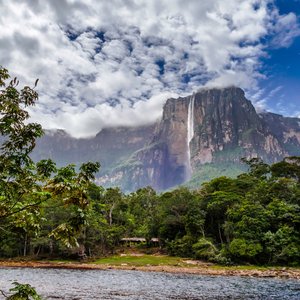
{"x": 52, "y": 212}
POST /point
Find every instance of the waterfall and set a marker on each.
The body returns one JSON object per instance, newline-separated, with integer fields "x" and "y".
{"x": 190, "y": 135}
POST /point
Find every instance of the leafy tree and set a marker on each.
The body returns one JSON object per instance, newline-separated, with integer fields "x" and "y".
{"x": 107, "y": 220}
{"x": 179, "y": 207}
{"x": 71, "y": 189}
{"x": 181, "y": 221}
{"x": 20, "y": 192}
{"x": 22, "y": 292}
{"x": 143, "y": 213}
{"x": 25, "y": 187}
{"x": 257, "y": 168}
{"x": 288, "y": 168}
{"x": 205, "y": 249}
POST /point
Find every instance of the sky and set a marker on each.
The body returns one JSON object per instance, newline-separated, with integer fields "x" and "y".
{"x": 115, "y": 63}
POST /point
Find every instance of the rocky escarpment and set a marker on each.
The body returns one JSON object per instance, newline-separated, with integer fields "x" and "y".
{"x": 227, "y": 122}
{"x": 225, "y": 128}
{"x": 285, "y": 129}
{"x": 198, "y": 137}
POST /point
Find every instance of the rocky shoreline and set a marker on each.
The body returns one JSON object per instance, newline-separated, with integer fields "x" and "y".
{"x": 288, "y": 273}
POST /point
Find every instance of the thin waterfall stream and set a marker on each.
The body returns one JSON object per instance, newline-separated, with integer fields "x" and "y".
{"x": 190, "y": 135}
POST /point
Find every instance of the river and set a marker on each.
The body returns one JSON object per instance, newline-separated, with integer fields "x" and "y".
{"x": 117, "y": 284}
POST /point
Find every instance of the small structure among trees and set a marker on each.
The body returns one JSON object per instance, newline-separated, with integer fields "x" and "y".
{"x": 133, "y": 241}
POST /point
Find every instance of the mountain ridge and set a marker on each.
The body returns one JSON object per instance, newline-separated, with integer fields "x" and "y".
{"x": 223, "y": 128}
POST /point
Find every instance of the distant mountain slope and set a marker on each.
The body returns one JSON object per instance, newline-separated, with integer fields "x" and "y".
{"x": 110, "y": 146}
{"x": 199, "y": 137}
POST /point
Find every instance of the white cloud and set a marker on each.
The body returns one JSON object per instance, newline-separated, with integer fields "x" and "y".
{"x": 104, "y": 63}
{"x": 285, "y": 30}
{"x": 89, "y": 121}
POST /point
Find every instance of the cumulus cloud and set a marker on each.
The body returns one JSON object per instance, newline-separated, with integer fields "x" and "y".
{"x": 105, "y": 63}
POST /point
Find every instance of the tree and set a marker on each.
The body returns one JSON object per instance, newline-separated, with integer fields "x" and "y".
{"x": 20, "y": 193}
{"x": 288, "y": 168}
{"x": 25, "y": 186}
{"x": 71, "y": 190}
{"x": 257, "y": 168}
{"x": 143, "y": 213}
{"x": 18, "y": 178}
{"x": 181, "y": 221}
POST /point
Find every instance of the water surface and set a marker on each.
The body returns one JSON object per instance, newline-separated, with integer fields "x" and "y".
{"x": 119, "y": 284}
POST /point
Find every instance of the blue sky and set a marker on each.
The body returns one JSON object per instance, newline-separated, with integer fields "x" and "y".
{"x": 112, "y": 63}
{"x": 282, "y": 66}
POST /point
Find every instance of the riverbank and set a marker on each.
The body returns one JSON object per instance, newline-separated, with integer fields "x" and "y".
{"x": 149, "y": 263}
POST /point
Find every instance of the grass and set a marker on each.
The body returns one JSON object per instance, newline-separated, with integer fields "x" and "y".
{"x": 164, "y": 260}
{"x": 143, "y": 260}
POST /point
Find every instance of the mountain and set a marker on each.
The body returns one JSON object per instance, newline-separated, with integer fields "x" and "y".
{"x": 199, "y": 137}
{"x": 111, "y": 146}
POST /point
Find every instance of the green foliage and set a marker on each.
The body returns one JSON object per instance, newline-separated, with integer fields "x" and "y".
{"x": 23, "y": 292}
{"x": 18, "y": 180}
{"x": 143, "y": 213}
{"x": 180, "y": 214}
{"x": 30, "y": 192}
{"x": 205, "y": 249}
{"x": 181, "y": 246}
{"x": 244, "y": 248}
{"x": 257, "y": 168}
{"x": 282, "y": 245}
{"x": 209, "y": 171}
{"x": 70, "y": 190}
{"x": 288, "y": 168}
{"x": 253, "y": 218}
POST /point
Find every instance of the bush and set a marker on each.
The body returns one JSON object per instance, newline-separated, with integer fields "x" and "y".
{"x": 181, "y": 247}
{"x": 204, "y": 249}
{"x": 245, "y": 249}
{"x": 23, "y": 292}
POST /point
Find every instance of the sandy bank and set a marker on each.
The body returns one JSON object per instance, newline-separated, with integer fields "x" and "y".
{"x": 199, "y": 270}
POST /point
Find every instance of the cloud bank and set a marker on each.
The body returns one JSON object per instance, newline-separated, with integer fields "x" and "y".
{"x": 108, "y": 63}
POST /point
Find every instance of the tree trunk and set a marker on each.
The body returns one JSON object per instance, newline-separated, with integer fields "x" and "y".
{"x": 25, "y": 245}
{"x": 220, "y": 233}
{"x": 51, "y": 246}
{"x": 110, "y": 214}
{"x": 38, "y": 250}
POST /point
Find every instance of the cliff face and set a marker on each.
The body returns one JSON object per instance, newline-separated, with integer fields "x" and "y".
{"x": 222, "y": 127}
{"x": 286, "y": 130}
{"x": 209, "y": 130}
{"x": 226, "y": 121}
